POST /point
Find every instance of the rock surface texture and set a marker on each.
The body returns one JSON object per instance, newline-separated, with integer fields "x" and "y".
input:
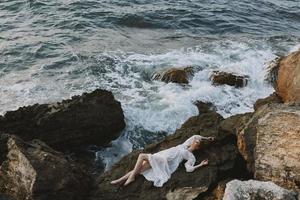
{"x": 222, "y": 155}
{"x": 277, "y": 151}
{"x": 253, "y": 190}
{"x": 174, "y": 75}
{"x": 225, "y": 78}
{"x": 288, "y": 80}
{"x": 92, "y": 118}
{"x": 32, "y": 170}
{"x": 270, "y": 143}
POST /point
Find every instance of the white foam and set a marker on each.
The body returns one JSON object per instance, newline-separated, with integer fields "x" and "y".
{"x": 148, "y": 105}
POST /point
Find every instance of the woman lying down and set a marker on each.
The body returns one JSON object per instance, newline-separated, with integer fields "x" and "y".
{"x": 158, "y": 167}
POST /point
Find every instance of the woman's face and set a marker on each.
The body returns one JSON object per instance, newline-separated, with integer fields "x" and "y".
{"x": 195, "y": 144}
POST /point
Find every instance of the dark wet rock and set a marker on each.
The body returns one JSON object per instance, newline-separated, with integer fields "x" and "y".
{"x": 252, "y": 189}
{"x": 6, "y": 197}
{"x": 33, "y": 170}
{"x": 223, "y": 156}
{"x": 204, "y": 107}
{"x": 91, "y": 118}
{"x": 272, "y": 98}
{"x": 233, "y": 124}
{"x": 225, "y": 78}
{"x": 174, "y": 75}
{"x": 217, "y": 193}
{"x": 288, "y": 80}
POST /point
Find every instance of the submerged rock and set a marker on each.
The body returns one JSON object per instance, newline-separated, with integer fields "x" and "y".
{"x": 225, "y": 78}
{"x": 288, "y": 80}
{"x": 32, "y": 170}
{"x": 92, "y": 118}
{"x": 174, "y": 75}
{"x": 222, "y": 155}
{"x": 252, "y": 189}
{"x": 204, "y": 107}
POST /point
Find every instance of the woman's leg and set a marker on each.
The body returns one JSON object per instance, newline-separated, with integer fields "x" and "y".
{"x": 145, "y": 166}
{"x": 137, "y": 168}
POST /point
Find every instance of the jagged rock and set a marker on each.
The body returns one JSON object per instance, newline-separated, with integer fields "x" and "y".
{"x": 174, "y": 75}
{"x": 252, "y": 189}
{"x": 225, "y": 78}
{"x": 288, "y": 80}
{"x": 92, "y": 118}
{"x": 32, "y": 170}
{"x": 222, "y": 157}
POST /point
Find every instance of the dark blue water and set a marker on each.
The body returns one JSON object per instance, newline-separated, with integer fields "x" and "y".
{"x": 50, "y": 50}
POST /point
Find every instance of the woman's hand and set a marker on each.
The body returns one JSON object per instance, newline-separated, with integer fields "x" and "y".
{"x": 203, "y": 163}
{"x": 211, "y": 138}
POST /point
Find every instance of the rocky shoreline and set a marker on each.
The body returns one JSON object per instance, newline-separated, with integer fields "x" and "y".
{"x": 36, "y": 143}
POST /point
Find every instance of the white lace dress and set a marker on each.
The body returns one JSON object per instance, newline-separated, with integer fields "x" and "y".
{"x": 165, "y": 162}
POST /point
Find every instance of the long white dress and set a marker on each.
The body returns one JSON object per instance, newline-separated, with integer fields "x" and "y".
{"x": 165, "y": 162}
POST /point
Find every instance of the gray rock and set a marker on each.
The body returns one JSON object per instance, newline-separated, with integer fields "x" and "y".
{"x": 254, "y": 190}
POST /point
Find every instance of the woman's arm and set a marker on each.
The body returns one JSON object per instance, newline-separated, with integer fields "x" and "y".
{"x": 204, "y": 162}
{"x": 197, "y": 137}
{"x": 190, "y": 167}
{"x": 208, "y": 138}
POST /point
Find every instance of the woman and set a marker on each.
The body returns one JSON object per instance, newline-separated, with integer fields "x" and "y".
{"x": 158, "y": 167}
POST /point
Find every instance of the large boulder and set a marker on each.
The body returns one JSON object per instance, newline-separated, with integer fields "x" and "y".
{"x": 279, "y": 130}
{"x": 174, "y": 75}
{"x": 32, "y": 170}
{"x": 252, "y": 189}
{"x": 270, "y": 144}
{"x": 225, "y": 78}
{"x": 222, "y": 155}
{"x": 288, "y": 80}
{"x": 92, "y": 118}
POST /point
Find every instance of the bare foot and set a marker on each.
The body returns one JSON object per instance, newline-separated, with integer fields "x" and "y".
{"x": 115, "y": 182}
{"x": 129, "y": 180}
